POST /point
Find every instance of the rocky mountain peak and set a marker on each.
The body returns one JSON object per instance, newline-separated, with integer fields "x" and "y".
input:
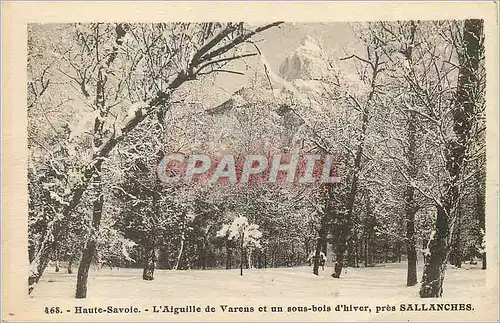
{"x": 306, "y": 62}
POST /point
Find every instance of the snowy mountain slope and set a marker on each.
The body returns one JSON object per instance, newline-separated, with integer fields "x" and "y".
{"x": 305, "y": 63}
{"x": 300, "y": 83}
{"x": 301, "y": 74}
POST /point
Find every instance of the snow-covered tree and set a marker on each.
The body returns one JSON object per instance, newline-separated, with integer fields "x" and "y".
{"x": 246, "y": 234}
{"x": 123, "y": 74}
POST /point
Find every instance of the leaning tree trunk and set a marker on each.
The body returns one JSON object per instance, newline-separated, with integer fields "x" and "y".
{"x": 83, "y": 269}
{"x": 434, "y": 270}
{"x": 468, "y": 95}
{"x": 90, "y": 249}
{"x": 38, "y": 266}
{"x": 99, "y": 133}
{"x": 41, "y": 257}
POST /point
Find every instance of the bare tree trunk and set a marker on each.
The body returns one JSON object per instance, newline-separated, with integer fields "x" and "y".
{"x": 456, "y": 252}
{"x": 316, "y": 257}
{"x": 150, "y": 260}
{"x": 90, "y": 249}
{"x": 249, "y": 259}
{"x": 411, "y": 251}
{"x": 365, "y": 249}
{"x": 339, "y": 263}
{"x": 151, "y": 250}
{"x": 371, "y": 253}
{"x": 358, "y": 252}
{"x": 83, "y": 269}
{"x": 433, "y": 277}
{"x": 37, "y": 267}
{"x": 411, "y": 276}
{"x": 99, "y": 134}
{"x": 399, "y": 252}
{"x": 369, "y": 231}
{"x": 70, "y": 265}
{"x": 480, "y": 203}
{"x": 228, "y": 255}
{"x": 265, "y": 258}
{"x": 273, "y": 256}
{"x": 242, "y": 254}
{"x": 31, "y": 252}
{"x": 324, "y": 243}
{"x": 321, "y": 244}
{"x": 181, "y": 250}
{"x": 203, "y": 253}
{"x": 345, "y": 222}
{"x": 351, "y": 250}
{"x": 410, "y": 202}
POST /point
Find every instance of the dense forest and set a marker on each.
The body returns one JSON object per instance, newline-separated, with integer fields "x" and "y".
{"x": 402, "y": 109}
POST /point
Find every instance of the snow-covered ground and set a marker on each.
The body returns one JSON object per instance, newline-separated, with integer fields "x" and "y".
{"x": 374, "y": 287}
{"x": 388, "y": 281}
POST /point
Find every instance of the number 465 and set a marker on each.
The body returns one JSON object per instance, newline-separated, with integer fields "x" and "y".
{"x": 52, "y": 310}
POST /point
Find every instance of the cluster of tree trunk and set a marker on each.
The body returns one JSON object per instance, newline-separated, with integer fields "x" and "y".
{"x": 445, "y": 244}
{"x": 463, "y": 116}
{"x": 211, "y": 48}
